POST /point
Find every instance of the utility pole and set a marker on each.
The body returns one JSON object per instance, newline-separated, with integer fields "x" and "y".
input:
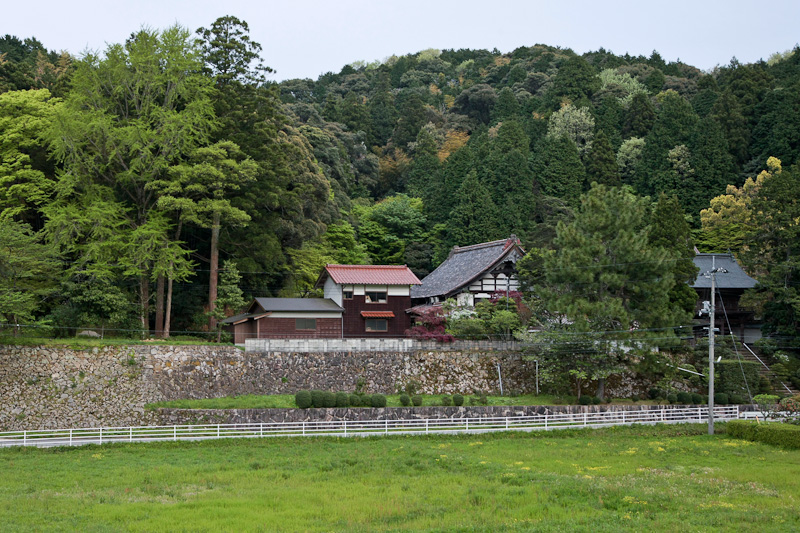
{"x": 713, "y": 273}
{"x": 711, "y": 355}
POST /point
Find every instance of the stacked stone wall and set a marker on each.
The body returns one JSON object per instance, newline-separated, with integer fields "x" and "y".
{"x": 54, "y": 387}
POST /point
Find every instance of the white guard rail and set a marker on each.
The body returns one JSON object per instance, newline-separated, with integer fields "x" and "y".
{"x": 76, "y": 437}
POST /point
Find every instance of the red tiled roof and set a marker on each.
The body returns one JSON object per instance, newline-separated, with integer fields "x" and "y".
{"x": 370, "y": 275}
{"x": 377, "y": 314}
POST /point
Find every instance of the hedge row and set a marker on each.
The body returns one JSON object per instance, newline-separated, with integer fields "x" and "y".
{"x": 785, "y": 435}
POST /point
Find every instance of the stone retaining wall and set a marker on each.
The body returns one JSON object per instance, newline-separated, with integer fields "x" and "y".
{"x": 53, "y": 387}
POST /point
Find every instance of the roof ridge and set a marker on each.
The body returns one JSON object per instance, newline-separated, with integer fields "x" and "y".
{"x": 367, "y": 266}
{"x": 457, "y": 249}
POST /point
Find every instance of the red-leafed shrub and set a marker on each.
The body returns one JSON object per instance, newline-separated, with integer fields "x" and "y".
{"x": 430, "y": 325}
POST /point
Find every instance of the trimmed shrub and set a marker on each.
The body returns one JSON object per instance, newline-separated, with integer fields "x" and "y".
{"x": 303, "y": 399}
{"x": 684, "y": 398}
{"x": 596, "y": 400}
{"x": 458, "y": 400}
{"x": 355, "y": 400}
{"x": 416, "y": 400}
{"x": 447, "y": 400}
{"x": 784, "y": 435}
{"x": 342, "y": 399}
{"x": 697, "y": 399}
{"x": 329, "y": 399}
{"x": 634, "y": 398}
{"x": 735, "y": 399}
{"x": 378, "y": 400}
{"x": 317, "y": 398}
{"x": 672, "y": 398}
{"x": 721, "y": 398}
{"x": 655, "y": 393}
{"x": 405, "y": 400}
{"x": 585, "y": 400}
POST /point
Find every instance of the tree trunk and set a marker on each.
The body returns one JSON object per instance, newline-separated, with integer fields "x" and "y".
{"x": 159, "y": 326}
{"x": 144, "y": 294}
{"x": 214, "y": 268}
{"x": 601, "y": 388}
{"x": 168, "y": 312}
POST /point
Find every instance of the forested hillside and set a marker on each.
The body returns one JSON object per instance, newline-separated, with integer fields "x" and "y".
{"x": 131, "y": 178}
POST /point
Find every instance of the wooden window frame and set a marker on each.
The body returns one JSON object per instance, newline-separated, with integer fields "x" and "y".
{"x": 375, "y": 321}
{"x": 385, "y": 293}
{"x": 297, "y": 324}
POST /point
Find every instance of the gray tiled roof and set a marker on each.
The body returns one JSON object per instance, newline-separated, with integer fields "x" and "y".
{"x": 463, "y": 266}
{"x": 298, "y": 304}
{"x": 735, "y": 278}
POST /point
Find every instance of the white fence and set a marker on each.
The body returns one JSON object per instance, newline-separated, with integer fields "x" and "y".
{"x": 76, "y": 437}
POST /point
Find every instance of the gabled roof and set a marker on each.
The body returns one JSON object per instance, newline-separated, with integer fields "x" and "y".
{"x": 368, "y": 275}
{"x": 734, "y": 278}
{"x": 295, "y": 304}
{"x": 464, "y": 265}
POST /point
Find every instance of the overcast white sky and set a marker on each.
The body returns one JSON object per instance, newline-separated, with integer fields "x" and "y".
{"x": 305, "y": 38}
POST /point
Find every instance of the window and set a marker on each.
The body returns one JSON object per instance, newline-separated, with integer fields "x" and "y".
{"x": 305, "y": 324}
{"x": 375, "y": 297}
{"x": 347, "y": 294}
{"x": 377, "y": 324}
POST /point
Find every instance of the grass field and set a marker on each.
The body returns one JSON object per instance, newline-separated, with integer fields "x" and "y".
{"x": 671, "y": 478}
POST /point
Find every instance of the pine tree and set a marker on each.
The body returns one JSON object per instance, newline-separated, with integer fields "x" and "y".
{"x": 558, "y": 169}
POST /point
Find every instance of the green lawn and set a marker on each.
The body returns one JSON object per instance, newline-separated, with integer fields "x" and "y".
{"x": 671, "y": 478}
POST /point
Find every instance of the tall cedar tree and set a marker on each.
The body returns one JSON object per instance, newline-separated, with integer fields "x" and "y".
{"x": 475, "y": 216}
{"x": 559, "y": 170}
{"x": 601, "y": 166}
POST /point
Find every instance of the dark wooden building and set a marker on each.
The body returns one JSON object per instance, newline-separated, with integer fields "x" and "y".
{"x": 359, "y": 301}
{"x": 375, "y": 298}
{"x": 730, "y": 287}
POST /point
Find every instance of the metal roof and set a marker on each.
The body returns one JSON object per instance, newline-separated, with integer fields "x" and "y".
{"x": 464, "y": 265}
{"x": 734, "y": 278}
{"x": 297, "y": 304}
{"x": 369, "y": 275}
{"x": 377, "y": 314}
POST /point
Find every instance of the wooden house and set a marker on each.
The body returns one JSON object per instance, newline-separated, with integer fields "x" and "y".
{"x": 472, "y": 273}
{"x": 358, "y": 301}
{"x": 375, "y": 298}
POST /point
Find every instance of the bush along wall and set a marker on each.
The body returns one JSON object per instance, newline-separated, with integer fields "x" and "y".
{"x": 731, "y": 380}
{"x": 777, "y": 434}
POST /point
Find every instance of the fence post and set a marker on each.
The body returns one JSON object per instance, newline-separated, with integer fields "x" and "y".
{"x": 217, "y": 430}
{"x": 506, "y": 423}
{"x": 130, "y": 434}
{"x": 261, "y": 429}
{"x": 386, "y": 425}
{"x": 623, "y": 417}
{"x": 467, "y": 424}
{"x": 545, "y": 421}
{"x": 700, "y": 414}
{"x": 174, "y": 432}
{"x": 101, "y": 435}
{"x": 304, "y": 428}
{"x": 662, "y": 414}
{"x": 584, "y": 418}
{"x": 24, "y": 437}
{"x": 426, "y": 426}
{"x": 70, "y": 437}
{"x": 345, "y": 428}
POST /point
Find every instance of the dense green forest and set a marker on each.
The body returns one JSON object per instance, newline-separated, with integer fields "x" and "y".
{"x": 141, "y": 184}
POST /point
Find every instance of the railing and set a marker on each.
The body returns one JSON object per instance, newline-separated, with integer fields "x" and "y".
{"x": 76, "y": 437}
{"x": 767, "y": 367}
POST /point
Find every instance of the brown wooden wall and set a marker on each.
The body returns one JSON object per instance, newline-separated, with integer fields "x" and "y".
{"x": 283, "y": 328}
{"x": 355, "y": 324}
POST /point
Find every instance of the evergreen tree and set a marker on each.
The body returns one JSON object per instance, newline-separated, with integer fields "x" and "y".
{"x": 670, "y": 230}
{"x": 506, "y": 107}
{"x": 727, "y": 112}
{"x": 558, "y": 169}
{"x": 601, "y": 165}
{"x": 639, "y": 117}
{"x": 475, "y": 216}
{"x": 576, "y": 82}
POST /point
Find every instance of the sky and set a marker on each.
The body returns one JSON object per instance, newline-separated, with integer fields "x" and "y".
{"x": 306, "y": 38}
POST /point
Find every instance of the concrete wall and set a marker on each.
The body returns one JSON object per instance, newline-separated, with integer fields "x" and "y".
{"x": 376, "y": 345}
